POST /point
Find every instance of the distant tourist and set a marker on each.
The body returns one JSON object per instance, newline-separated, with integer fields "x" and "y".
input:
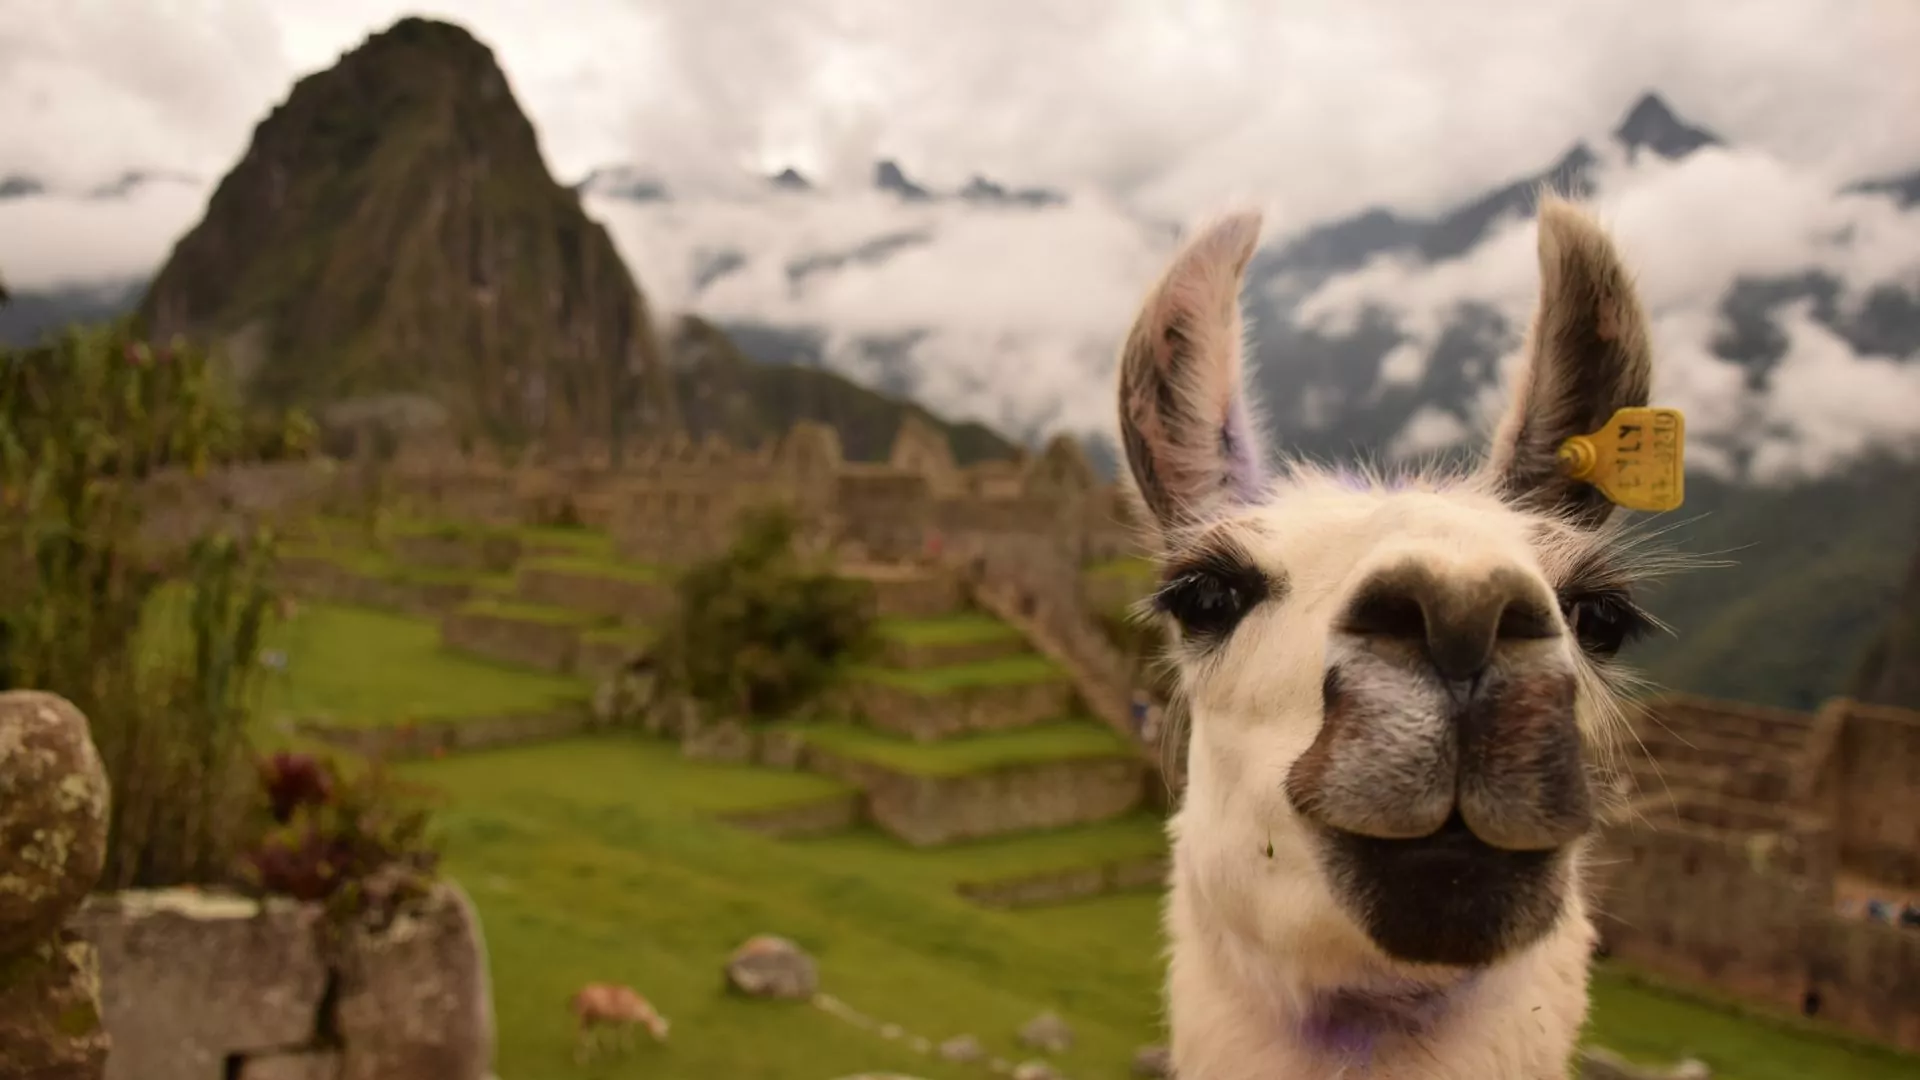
{"x": 1880, "y": 911}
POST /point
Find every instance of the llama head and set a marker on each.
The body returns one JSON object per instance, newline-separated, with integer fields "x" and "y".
{"x": 1398, "y": 688}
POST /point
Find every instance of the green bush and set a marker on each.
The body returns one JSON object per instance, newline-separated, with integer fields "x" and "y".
{"x": 154, "y": 640}
{"x": 761, "y": 630}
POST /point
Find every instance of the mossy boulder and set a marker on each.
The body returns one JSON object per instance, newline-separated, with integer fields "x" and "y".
{"x": 53, "y": 816}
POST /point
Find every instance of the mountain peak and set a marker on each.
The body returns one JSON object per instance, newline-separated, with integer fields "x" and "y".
{"x": 1653, "y": 125}
{"x": 888, "y": 177}
{"x": 789, "y": 179}
{"x": 622, "y": 182}
{"x": 982, "y": 190}
{"x": 393, "y": 228}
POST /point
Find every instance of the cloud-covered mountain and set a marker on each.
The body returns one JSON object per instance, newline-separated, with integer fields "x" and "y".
{"x": 1786, "y": 303}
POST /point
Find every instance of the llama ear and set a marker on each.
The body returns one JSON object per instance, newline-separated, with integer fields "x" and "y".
{"x": 1586, "y": 356}
{"x": 1185, "y": 419}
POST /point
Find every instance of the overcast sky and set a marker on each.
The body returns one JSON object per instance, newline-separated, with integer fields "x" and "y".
{"x": 1315, "y": 106}
{"x": 1147, "y": 111}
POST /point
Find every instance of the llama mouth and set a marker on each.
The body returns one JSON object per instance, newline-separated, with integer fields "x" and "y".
{"x": 1448, "y": 898}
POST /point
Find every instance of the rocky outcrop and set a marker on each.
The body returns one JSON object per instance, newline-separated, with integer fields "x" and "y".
{"x": 53, "y": 842}
{"x": 393, "y": 230}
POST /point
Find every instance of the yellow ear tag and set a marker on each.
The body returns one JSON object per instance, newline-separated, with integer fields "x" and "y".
{"x": 1638, "y": 460}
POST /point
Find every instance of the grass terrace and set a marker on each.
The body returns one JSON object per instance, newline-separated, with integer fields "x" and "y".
{"x": 1062, "y": 740}
{"x": 600, "y": 566}
{"x": 1020, "y": 670}
{"x": 502, "y": 608}
{"x": 355, "y": 667}
{"x": 970, "y": 628}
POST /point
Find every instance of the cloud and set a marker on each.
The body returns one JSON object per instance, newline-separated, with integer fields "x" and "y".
{"x": 1690, "y": 230}
{"x": 1146, "y": 111}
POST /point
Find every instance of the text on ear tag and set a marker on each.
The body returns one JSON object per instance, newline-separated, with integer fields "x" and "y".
{"x": 1638, "y": 460}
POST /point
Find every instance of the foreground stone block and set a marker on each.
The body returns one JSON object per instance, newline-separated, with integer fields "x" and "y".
{"x": 53, "y": 842}
{"x": 414, "y": 997}
{"x": 53, "y": 816}
{"x": 189, "y": 979}
{"x": 197, "y": 984}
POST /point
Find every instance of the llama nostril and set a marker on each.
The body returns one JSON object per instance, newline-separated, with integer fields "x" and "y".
{"x": 1458, "y": 622}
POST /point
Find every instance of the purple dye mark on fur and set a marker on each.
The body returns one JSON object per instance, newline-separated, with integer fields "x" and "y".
{"x": 1244, "y": 476}
{"x": 1348, "y": 1025}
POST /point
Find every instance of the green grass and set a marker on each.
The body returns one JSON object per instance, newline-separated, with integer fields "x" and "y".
{"x": 596, "y": 566}
{"x": 599, "y": 859}
{"x": 966, "y": 629}
{"x": 375, "y": 564}
{"x": 361, "y": 668}
{"x": 1064, "y": 740}
{"x": 579, "y": 541}
{"x": 503, "y": 608}
{"x": 1022, "y": 670}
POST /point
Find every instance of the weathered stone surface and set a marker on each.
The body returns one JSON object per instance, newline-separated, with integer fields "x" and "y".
{"x": 49, "y": 1012}
{"x": 53, "y": 816}
{"x": 1048, "y": 1034}
{"x": 963, "y": 1049}
{"x": 927, "y": 717}
{"x": 1034, "y": 1070}
{"x": 414, "y": 997}
{"x": 1153, "y": 1063}
{"x": 772, "y": 967}
{"x": 189, "y": 978}
{"x": 296, "y": 1065}
{"x": 931, "y": 810}
{"x": 727, "y": 741}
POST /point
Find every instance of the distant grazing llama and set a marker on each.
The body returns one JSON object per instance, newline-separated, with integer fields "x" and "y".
{"x": 1400, "y": 691}
{"x": 599, "y": 1006}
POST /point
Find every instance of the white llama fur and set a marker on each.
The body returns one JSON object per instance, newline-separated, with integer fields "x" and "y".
{"x": 1270, "y": 942}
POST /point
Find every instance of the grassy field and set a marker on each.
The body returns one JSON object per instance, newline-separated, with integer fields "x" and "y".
{"x": 361, "y": 668}
{"x": 599, "y": 858}
{"x": 595, "y": 859}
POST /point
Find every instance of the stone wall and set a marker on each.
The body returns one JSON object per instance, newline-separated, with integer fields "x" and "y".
{"x": 1867, "y": 978}
{"x": 930, "y": 810}
{"x": 433, "y": 738}
{"x": 535, "y": 643}
{"x": 914, "y": 655}
{"x": 315, "y": 578}
{"x": 1706, "y": 906}
{"x": 1145, "y": 874}
{"x": 198, "y": 985}
{"x": 479, "y": 552}
{"x": 1878, "y": 804}
{"x": 930, "y": 716}
{"x": 628, "y": 598}
{"x": 908, "y": 591}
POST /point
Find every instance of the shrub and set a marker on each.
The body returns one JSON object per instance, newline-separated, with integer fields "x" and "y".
{"x": 762, "y": 630}
{"x": 153, "y": 638}
{"x": 357, "y": 842}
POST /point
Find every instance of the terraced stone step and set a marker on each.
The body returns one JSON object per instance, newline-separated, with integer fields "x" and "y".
{"x": 942, "y": 702}
{"x": 968, "y": 638}
{"x": 529, "y": 635}
{"x": 631, "y": 592}
{"x": 605, "y": 650}
{"x": 1070, "y": 772}
{"x": 813, "y": 817}
{"x": 1140, "y": 873}
{"x": 369, "y": 579}
{"x": 908, "y": 592}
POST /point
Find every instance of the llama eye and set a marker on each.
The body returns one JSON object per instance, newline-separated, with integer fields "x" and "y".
{"x": 1210, "y": 600}
{"x": 1604, "y": 622}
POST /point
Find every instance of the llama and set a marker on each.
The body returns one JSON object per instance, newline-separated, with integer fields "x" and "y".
{"x": 601, "y": 1005}
{"x": 1400, "y": 690}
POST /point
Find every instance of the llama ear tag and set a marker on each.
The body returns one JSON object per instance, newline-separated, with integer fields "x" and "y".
{"x": 1638, "y": 461}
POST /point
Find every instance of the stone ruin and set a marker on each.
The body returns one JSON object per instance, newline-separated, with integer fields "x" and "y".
{"x": 1751, "y": 837}
{"x": 183, "y": 985}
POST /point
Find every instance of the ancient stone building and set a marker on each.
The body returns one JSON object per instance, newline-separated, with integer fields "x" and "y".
{"x": 1755, "y": 841}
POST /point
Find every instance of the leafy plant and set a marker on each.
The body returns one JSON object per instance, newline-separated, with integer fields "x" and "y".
{"x": 357, "y": 842}
{"x": 762, "y": 630}
{"x": 119, "y": 591}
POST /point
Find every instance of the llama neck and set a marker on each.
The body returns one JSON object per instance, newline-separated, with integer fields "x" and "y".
{"x": 1243, "y": 1014}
